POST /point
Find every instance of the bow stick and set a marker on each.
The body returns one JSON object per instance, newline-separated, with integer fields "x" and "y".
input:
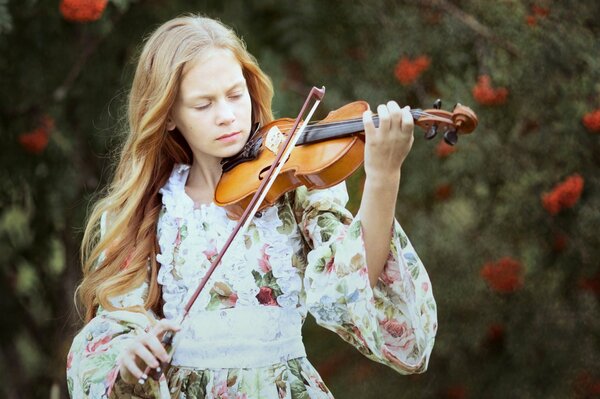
{"x": 282, "y": 154}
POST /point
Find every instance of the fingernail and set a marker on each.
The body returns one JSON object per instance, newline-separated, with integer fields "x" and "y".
{"x": 142, "y": 379}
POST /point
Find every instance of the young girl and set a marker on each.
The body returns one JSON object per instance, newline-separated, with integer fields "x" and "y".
{"x": 196, "y": 94}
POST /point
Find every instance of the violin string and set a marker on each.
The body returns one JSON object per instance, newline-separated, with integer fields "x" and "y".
{"x": 349, "y": 122}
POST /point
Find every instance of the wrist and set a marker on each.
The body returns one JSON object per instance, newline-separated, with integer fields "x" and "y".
{"x": 382, "y": 179}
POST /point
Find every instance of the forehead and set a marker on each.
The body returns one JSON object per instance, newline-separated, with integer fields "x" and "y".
{"x": 211, "y": 72}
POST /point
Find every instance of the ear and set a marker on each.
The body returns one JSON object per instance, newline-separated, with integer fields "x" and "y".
{"x": 170, "y": 124}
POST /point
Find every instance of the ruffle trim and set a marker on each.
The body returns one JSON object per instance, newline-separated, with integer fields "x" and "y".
{"x": 190, "y": 236}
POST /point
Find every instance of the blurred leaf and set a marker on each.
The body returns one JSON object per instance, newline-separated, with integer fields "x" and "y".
{"x": 14, "y": 224}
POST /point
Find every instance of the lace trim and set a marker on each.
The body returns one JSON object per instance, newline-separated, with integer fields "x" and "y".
{"x": 188, "y": 238}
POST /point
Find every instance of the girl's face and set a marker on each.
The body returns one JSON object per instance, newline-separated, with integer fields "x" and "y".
{"x": 213, "y": 110}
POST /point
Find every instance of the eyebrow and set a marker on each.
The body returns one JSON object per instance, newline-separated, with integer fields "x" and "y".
{"x": 200, "y": 95}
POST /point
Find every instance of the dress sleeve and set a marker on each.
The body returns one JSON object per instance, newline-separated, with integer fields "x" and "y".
{"x": 395, "y": 322}
{"x": 92, "y": 369}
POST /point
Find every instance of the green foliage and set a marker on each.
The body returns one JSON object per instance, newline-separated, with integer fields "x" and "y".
{"x": 5, "y": 18}
{"x": 538, "y": 341}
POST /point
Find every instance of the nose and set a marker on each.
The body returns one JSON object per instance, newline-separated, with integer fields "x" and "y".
{"x": 225, "y": 113}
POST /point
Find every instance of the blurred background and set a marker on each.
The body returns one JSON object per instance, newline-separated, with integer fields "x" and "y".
{"x": 507, "y": 221}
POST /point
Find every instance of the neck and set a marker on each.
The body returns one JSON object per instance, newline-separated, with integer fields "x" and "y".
{"x": 329, "y": 130}
{"x": 204, "y": 176}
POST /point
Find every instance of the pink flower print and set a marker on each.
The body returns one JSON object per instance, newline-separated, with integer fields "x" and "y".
{"x": 263, "y": 262}
{"x": 232, "y": 300}
{"x": 178, "y": 238}
{"x": 425, "y": 286}
{"x": 363, "y": 271}
{"x": 111, "y": 378}
{"x": 265, "y": 297}
{"x": 359, "y": 336}
{"x": 330, "y": 266}
{"x": 220, "y": 390}
{"x": 95, "y": 346}
{"x": 397, "y": 336}
{"x": 210, "y": 253}
{"x": 391, "y": 273}
{"x": 69, "y": 360}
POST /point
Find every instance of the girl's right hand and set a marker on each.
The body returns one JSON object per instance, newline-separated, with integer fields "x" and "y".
{"x": 145, "y": 350}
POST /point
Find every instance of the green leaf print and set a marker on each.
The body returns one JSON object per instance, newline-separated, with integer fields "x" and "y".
{"x": 86, "y": 386}
{"x": 327, "y": 226}
{"x": 195, "y": 386}
{"x": 356, "y": 262}
{"x": 414, "y": 270}
{"x": 287, "y": 218}
{"x": 297, "y": 381}
{"x": 102, "y": 362}
{"x": 298, "y": 390}
{"x": 354, "y": 231}
{"x": 280, "y": 382}
{"x": 220, "y": 295}
{"x": 258, "y": 278}
{"x": 183, "y": 232}
{"x": 222, "y": 289}
{"x": 320, "y": 265}
{"x": 403, "y": 240}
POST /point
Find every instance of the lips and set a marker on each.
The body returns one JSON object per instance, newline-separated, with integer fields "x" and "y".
{"x": 228, "y": 135}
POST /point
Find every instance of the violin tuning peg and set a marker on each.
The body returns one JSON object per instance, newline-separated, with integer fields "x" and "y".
{"x": 437, "y": 104}
{"x": 431, "y": 132}
{"x": 450, "y": 137}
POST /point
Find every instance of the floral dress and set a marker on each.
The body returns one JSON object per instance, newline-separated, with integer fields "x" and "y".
{"x": 242, "y": 338}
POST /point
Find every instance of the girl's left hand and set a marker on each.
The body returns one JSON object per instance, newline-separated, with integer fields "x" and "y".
{"x": 388, "y": 145}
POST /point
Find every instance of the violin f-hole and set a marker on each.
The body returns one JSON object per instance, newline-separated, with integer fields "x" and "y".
{"x": 263, "y": 171}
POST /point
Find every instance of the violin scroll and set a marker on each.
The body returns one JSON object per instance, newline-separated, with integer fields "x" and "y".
{"x": 462, "y": 120}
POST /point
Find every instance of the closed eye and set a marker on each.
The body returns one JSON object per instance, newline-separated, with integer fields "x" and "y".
{"x": 203, "y": 106}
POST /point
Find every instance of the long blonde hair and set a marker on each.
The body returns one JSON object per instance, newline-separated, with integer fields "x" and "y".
{"x": 125, "y": 255}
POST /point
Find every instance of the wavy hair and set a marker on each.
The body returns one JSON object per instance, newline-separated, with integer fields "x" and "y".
{"x": 124, "y": 256}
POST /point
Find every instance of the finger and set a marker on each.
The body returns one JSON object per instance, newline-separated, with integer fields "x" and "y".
{"x": 408, "y": 123}
{"x": 164, "y": 325}
{"x": 384, "y": 118}
{"x": 133, "y": 369}
{"x": 396, "y": 114}
{"x": 156, "y": 347}
{"x": 140, "y": 350}
{"x": 368, "y": 122}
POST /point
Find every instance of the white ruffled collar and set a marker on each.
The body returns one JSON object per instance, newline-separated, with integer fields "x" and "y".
{"x": 177, "y": 199}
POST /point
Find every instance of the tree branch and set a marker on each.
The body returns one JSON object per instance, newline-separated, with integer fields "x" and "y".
{"x": 471, "y": 22}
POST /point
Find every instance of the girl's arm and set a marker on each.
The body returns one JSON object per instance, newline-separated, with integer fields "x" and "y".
{"x": 385, "y": 151}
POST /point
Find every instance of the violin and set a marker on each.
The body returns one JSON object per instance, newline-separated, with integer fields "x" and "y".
{"x": 327, "y": 152}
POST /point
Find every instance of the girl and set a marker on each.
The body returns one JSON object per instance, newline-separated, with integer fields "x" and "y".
{"x": 196, "y": 94}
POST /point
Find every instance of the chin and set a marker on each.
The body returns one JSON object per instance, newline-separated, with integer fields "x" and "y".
{"x": 233, "y": 150}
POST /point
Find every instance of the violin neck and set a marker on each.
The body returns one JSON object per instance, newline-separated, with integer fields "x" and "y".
{"x": 331, "y": 130}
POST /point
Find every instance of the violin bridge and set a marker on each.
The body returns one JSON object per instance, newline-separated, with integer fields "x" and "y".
{"x": 274, "y": 139}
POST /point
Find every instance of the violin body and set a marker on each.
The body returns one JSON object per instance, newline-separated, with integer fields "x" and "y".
{"x": 320, "y": 164}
